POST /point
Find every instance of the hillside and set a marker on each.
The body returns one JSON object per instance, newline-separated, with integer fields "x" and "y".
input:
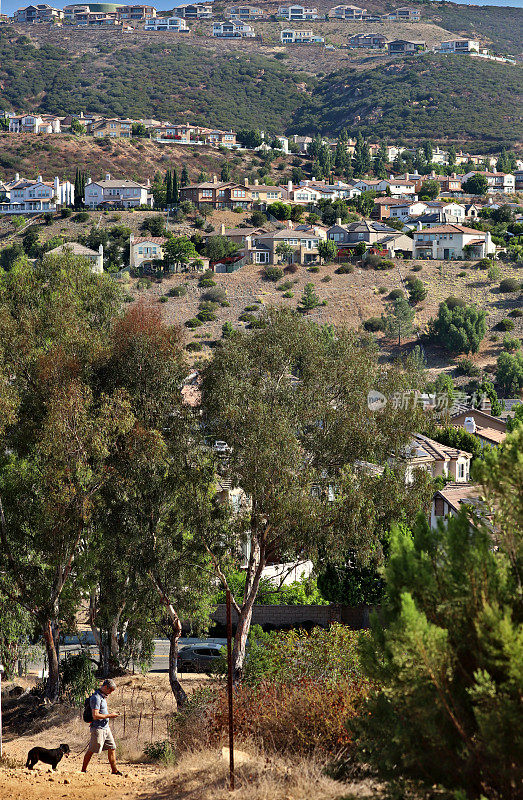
{"x": 501, "y": 26}
{"x": 453, "y": 97}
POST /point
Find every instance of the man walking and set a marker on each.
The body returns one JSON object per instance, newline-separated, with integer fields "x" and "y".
{"x": 101, "y": 736}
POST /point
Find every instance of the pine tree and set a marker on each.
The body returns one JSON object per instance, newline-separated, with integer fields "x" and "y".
{"x": 174, "y": 187}
{"x": 168, "y": 188}
{"x": 362, "y": 159}
{"x": 379, "y": 165}
{"x": 184, "y": 179}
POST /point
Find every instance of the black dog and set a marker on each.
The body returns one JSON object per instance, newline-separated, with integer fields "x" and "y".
{"x": 52, "y": 757}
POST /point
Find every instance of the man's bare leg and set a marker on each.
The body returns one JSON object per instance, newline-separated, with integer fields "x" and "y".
{"x": 111, "y": 755}
{"x": 87, "y": 758}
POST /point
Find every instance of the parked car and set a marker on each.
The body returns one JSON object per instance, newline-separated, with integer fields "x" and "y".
{"x": 199, "y": 657}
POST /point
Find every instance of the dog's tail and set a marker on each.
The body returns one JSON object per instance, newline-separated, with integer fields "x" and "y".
{"x": 28, "y": 763}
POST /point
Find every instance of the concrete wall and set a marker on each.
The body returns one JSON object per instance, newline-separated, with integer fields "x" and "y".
{"x": 296, "y": 616}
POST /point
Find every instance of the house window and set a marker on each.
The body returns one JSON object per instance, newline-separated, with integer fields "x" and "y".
{"x": 439, "y": 506}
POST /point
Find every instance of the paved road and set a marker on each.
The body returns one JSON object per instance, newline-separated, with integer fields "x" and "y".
{"x": 160, "y": 662}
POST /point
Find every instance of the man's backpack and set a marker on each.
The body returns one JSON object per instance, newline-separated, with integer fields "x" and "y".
{"x": 88, "y": 711}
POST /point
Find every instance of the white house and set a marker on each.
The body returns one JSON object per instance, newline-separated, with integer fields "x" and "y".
{"x": 498, "y": 182}
{"x": 438, "y": 459}
{"x": 234, "y": 29}
{"x": 300, "y": 36}
{"x": 121, "y": 193}
{"x": 244, "y": 12}
{"x": 34, "y": 123}
{"x": 145, "y": 249}
{"x": 94, "y": 257}
{"x": 175, "y": 24}
{"x": 452, "y": 241}
{"x": 294, "y": 13}
{"x": 458, "y": 46}
{"x": 194, "y": 11}
{"x": 449, "y": 501}
{"x": 23, "y": 196}
{"x": 408, "y": 208}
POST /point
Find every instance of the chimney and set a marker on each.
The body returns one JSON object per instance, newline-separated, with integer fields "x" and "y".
{"x": 101, "y": 249}
{"x": 246, "y": 181}
{"x": 215, "y": 179}
{"x": 419, "y": 226}
{"x": 17, "y": 176}
{"x": 470, "y": 425}
{"x": 338, "y": 220}
{"x": 453, "y": 175}
{"x": 39, "y": 179}
{"x": 88, "y": 181}
{"x": 391, "y": 177}
{"x": 289, "y": 186}
{"x": 222, "y": 229}
{"x": 256, "y": 182}
{"x": 107, "y": 176}
{"x": 313, "y": 179}
{"x": 131, "y": 238}
{"x": 57, "y": 184}
{"x": 432, "y": 174}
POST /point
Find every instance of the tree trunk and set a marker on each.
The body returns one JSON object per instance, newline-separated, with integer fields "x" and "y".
{"x": 94, "y": 628}
{"x": 52, "y": 687}
{"x": 178, "y": 692}
{"x": 254, "y": 574}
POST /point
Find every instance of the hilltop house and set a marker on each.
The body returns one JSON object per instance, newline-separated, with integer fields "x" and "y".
{"x": 295, "y": 13}
{"x": 486, "y": 428}
{"x": 304, "y": 246}
{"x": 458, "y": 46}
{"x": 406, "y": 46}
{"x": 38, "y": 13}
{"x": 403, "y": 14}
{"x": 218, "y": 194}
{"x": 136, "y": 13}
{"x": 94, "y": 257}
{"x": 300, "y": 36}
{"x": 452, "y": 241}
{"x": 34, "y": 123}
{"x": 23, "y": 196}
{"x": 110, "y": 127}
{"x": 193, "y": 11}
{"x": 262, "y": 194}
{"x": 144, "y": 250}
{"x": 119, "y": 193}
{"x": 244, "y": 12}
{"x": 375, "y": 235}
{"x": 175, "y": 24}
{"x": 234, "y": 29}
{"x": 348, "y": 13}
{"x": 371, "y": 41}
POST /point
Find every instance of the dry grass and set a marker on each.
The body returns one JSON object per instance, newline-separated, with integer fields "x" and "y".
{"x": 204, "y": 775}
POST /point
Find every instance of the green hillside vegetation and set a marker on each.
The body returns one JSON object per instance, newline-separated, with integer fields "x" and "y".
{"x": 454, "y": 97}
{"x": 230, "y": 91}
{"x": 502, "y": 26}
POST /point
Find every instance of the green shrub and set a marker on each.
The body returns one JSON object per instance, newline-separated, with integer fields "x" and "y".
{"x": 291, "y": 269}
{"x": 467, "y": 367}
{"x": 382, "y": 290}
{"x": 396, "y": 294}
{"x": 462, "y": 274}
{"x": 215, "y": 295}
{"x": 417, "y": 291}
{"x": 458, "y": 329}
{"x": 207, "y": 305}
{"x": 417, "y": 267}
{"x": 377, "y": 262}
{"x": 245, "y": 317}
{"x": 251, "y": 308}
{"x": 144, "y": 283}
{"x": 82, "y": 216}
{"x": 193, "y": 323}
{"x": 511, "y": 344}
{"x": 506, "y": 324}
{"x": 66, "y": 212}
{"x": 206, "y": 283}
{"x": 272, "y": 273}
{"x": 194, "y": 347}
{"x": 344, "y": 269}
{"x": 509, "y": 285}
{"x": 163, "y": 299}
{"x": 373, "y": 324}
{"x": 326, "y": 279}
{"x": 494, "y": 273}
{"x": 178, "y": 291}
{"x": 516, "y": 312}
{"x": 160, "y": 751}
{"x": 288, "y": 294}
{"x": 313, "y": 269}
{"x": 77, "y": 680}
{"x": 455, "y": 302}
{"x": 206, "y": 316}
{"x": 485, "y": 263}
{"x": 285, "y": 286}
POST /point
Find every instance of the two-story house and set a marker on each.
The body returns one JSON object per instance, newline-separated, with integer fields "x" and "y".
{"x": 42, "y": 12}
{"x": 244, "y": 12}
{"x": 447, "y": 242}
{"x": 175, "y": 24}
{"x": 352, "y": 233}
{"x": 303, "y": 247}
{"x": 300, "y": 36}
{"x": 94, "y": 257}
{"x": 458, "y": 46}
{"x": 403, "y": 14}
{"x": 217, "y": 194}
{"x": 498, "y": 182}
{"x": 233, "y": 29}
{"x": 449, "y": 501}
{"x": 110, "y": 127}
{"x": 120, "y": 193}
{"x": 194, "y": 11}
{"x": 295, "y": 13}
{"x": 34, "y": 123}
{"x": 262, "y": 194}
{"x": 136, "y": 13}
{"x": 347, "y": 13}
{"x": 144, "y": 250}
{"x": 23, "y": 196}
{"x": 370, "y": 41}
{"x": 487, "y": 429}
{"x": 438, "y": 459}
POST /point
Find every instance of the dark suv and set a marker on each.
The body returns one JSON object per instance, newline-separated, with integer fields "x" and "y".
{"x": 199, "y": 657}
